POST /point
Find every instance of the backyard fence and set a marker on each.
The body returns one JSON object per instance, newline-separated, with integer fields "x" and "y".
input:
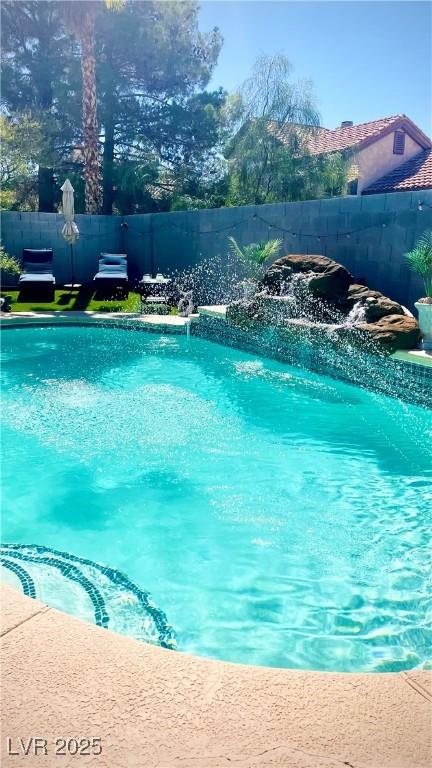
{"x": 369, "y": 235}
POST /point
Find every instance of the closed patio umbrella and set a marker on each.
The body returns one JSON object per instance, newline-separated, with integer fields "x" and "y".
{"x": 70, "y": 230}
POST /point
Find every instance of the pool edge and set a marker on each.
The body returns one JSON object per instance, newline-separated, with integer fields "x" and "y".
{"x": 152, "y": 706}
{"x": 151, "y": 323}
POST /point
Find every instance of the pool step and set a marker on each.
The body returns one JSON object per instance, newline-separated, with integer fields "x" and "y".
{"x": 86, "y": 589}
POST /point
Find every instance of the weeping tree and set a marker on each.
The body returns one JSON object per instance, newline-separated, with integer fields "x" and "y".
{"x": 80, "y": 18}
{"x": 269, "y": 158}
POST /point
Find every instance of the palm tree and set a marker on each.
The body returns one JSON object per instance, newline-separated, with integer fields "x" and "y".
{"x": 80, "y": 18}
{"x": 254, "y": 255}
{"x": 420, "y": 260}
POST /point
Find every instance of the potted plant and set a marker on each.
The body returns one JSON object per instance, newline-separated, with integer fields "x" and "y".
{"x": 253, "y": 257}
{"x": 10, "y": 268}
{"x": 420, "y": 260}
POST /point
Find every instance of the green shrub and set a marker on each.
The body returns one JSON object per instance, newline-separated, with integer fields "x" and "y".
{"x": 9, "y": 264}
{"x": 254, "y": 255}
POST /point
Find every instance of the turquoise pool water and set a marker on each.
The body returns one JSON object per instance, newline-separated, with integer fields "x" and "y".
{"x": 277, "y": 517}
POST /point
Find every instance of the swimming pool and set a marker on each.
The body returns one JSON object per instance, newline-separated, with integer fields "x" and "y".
{"x": 277, "y": 517}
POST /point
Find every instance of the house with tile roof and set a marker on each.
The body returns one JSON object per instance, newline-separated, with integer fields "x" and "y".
{"x": 387, "y": 155}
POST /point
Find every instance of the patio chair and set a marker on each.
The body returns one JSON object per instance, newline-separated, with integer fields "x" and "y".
{"x": 112, "y": 271}
{"x": 37, "y": 272}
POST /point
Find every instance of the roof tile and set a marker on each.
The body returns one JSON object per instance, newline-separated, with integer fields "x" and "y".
{"x": 349, "y": 136}
{"x": 416, "y": 173}
{"x": 324, "y": 140}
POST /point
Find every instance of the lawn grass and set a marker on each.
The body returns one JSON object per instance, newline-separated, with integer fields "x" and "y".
{"x": 66, "y": 300}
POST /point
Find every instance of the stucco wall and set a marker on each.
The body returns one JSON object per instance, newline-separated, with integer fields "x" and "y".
{"x": 348, "y": 229}
{"x": 378, "y": 159}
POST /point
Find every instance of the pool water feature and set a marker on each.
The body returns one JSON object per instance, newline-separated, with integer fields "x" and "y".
{"x": 276, "y": 516}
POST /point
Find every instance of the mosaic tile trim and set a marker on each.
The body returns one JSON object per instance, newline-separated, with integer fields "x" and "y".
{"x": 74, "y": 574}
{"x": 27, "y": 583}
{"x": 48, "y": 556}
{"x": 400, "y": 379}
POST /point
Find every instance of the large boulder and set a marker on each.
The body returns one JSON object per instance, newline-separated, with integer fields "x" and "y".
{"x": 374, "y": 303}
{"x": 392, "y": 332}
{"x": 310, "y": 299}
{"x": 384, "y": 336}
{"x": 326, "y": 279}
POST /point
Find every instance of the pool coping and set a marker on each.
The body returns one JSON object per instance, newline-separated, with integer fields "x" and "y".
{"x": 162, "y": 323}
{"x": 154, "y": 707}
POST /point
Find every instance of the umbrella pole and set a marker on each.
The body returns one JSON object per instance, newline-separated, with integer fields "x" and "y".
{"x": 72, "y": 267}
{"x": 73, "y": 285}
{"x": 152, "y": 265}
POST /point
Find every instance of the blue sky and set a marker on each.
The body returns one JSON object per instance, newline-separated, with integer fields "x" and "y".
{"x": 366, "y": 59}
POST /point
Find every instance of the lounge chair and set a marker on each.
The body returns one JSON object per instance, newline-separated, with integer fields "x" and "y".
{"x": 37, "y": 271}
{"x": 112, "y": 271}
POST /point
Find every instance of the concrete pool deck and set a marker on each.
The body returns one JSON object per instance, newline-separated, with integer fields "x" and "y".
{"x": 150, "y": 707}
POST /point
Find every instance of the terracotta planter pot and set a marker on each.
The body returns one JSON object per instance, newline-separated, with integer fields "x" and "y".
{"x": 425, "y": 321}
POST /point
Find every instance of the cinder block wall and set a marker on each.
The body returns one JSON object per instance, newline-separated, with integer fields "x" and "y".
{"x": 369, "y": 235}
{"x": 43, "y": 230}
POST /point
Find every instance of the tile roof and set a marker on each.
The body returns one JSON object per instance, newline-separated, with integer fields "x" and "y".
{"x": 323, "y": 140}
{"x": 416, "y": 173}
{"x": 345, "y": 137}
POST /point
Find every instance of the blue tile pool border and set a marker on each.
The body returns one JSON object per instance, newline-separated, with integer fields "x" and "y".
{"x": 400, "y": 379}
